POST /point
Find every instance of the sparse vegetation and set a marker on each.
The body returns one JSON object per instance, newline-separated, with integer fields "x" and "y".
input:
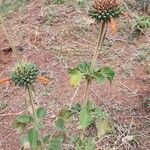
{"x": 109, "y": 108}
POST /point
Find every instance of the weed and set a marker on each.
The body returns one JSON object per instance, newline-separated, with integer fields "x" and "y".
{"x": 11, "y": 5}
{"x": 85, "y": 116}
{"x": 58, "y": 1}
{"x": 142, "y": 23}
{"x": 147, "y": 102}
{"x": 3, "y": 106}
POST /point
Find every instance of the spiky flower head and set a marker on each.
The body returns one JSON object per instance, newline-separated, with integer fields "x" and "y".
{"x": 105, "y": 10}
{"x": 24, "y": 74}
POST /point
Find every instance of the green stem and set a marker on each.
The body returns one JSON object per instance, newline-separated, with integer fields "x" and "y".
{"x": 32, "y": 105}
{"x": 103, "y": 29}
{"x": 101, "y": 38}
{"x": 15, "y": 51}
{"x": 82, "y": 134}
{"x": 86, "y": 90}
{"x": 102, "y": 34}
{"x": 34, "y": 113}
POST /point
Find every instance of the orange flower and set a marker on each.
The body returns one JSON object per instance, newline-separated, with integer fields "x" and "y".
{"x": 40, "y": 78}
{"x": 4, "y": 80}
{"x": 113, "y": 25}
{"x": 105, "y": 4}
{"x": 43, "y": 79}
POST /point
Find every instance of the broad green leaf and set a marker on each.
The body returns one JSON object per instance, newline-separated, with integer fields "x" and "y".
{"x": 65, "y": 113}
{"x": 41, "y": 112}
{"x": 98, "y": 76}
{"x": 56, "y": 142}
{"x": 75, "y": 77}
{"x": 24, "y": 118}
{"x": 19, "y": 126}
{"x": 108, "y": 73}
{"x": 23, "y": 139}
{"x": 84, "y": 67}
{"x": 33, "y": 138}
{"x": 85, "y": 118}
{"x": 59, "y": 124}
{"x": 24, "y": 142}
{"x": 103, "y": 127}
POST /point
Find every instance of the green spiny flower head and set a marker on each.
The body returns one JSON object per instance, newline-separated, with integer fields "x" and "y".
{"x": 105, "y": 10}
{"x": 24, "y": 74}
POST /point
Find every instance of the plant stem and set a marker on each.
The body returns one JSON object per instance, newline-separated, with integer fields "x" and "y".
{"x": 34, "y": 113}
{"x": 32, "y": 105}
{"x": 15, "y": 51}
{"x": 101, "y": 38}
{"x": 88, "y": 81}
{"x": 103, "y": 29}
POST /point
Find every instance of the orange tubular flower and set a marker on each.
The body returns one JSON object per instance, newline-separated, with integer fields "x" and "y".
{"x": 4, "y": 80}
{"x": 106, "y": 11}
{"x": 113, "y": 25}
{"x": 43, "y": 79}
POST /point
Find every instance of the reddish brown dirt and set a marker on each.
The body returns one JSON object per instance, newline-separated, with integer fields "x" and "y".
{"x": 56, "y": 45}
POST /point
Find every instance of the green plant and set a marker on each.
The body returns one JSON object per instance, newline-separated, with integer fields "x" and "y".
{"x": 8, "y": 6}
{"x": 147, "y": 101}
{"x": 84, "y": 116}
{"x": 59, "y": 1}
{"x": 88, "y": 114}
{"x": 142, "y": 23}
{"x": 89, "y": 71}
{"x": 24, "y": 74}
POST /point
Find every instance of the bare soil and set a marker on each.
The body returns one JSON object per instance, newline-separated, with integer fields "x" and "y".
{"x": 56, "y": 37}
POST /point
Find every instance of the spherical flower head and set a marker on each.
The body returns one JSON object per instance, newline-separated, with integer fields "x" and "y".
{"x": 105, "y": 10}
{"x": 24, "y": 74}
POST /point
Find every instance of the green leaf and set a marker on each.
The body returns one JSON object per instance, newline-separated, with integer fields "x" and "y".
{"x": 89, "y": 106}
{"x": 46, "y": 138}
{"x": 76, "y": 107}
{"x": 41, "y": 112}
{"x": 73, "y": 139}
{"x": 19, "y": 126}
{"x": 33, "y": 138}
{"x": 108, "y": 73}
{"x": 75, "y": 77}
{"x": 86, "y": 144}
{"x": 40, "y": 125}
{"x": 23, "y": 139}
{"x": 98, "y": 77}
{"x": 103, "y": 127}
{"x": 90, "y": 144}
{"x": 59, "y": 124}
{"x": 59, "y": 1}
{"x": 65, "y": 113}
{"x": 85, "y": 118}
{"x": 55, "y": 143}
{"x": 24, "y": 118}
{"x": 84, "y": 67}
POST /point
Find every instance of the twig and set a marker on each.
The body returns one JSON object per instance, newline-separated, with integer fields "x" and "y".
{"x": 75, "y": 93}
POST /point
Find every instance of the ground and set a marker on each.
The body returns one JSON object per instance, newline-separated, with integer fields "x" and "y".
{"x": 56, "y": 37}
